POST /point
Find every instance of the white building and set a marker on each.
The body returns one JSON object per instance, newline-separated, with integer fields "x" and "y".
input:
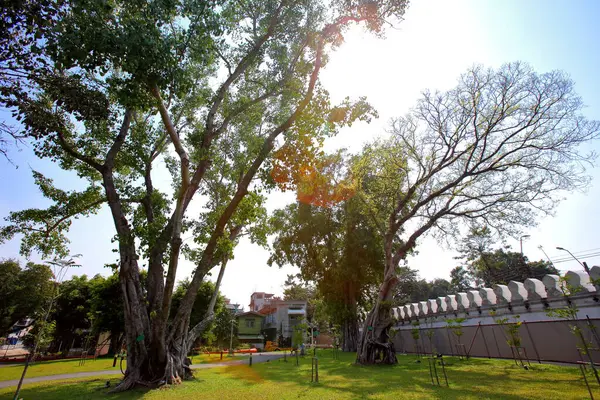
{"x": 281, "y": 316}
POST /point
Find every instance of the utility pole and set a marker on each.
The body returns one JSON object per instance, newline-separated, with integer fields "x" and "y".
{"x": 521, "y": 241}
{"x": 549, "y": 260}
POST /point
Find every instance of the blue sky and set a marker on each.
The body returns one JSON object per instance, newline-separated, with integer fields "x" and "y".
{"x": 437, "y": 41}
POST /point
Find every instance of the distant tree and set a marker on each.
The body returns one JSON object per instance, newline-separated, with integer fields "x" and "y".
{"x": 497, "y": 150}
{"x": 336, "y": 248}
{"x": 537, "y": 269}
{"x": 479, "y": 240}
{"x": 460, "y": 280}
{"x": 420, "y": 291}
{"x": 23, "y": 292}
{"x": 201, "y": 304}
{"x": 106, "y": 307}
{"x": 294, "y": 289}
{"x": 439, "y": 288}
{"x": 412, "y": 290}
{"x": 501, "y": 267}
{"x": 72, "y": 311}
{"x": 222, "y": 329}
{"x": 404, "y": 289}
{"x": 488, "y": 266}
{"x": 9, "y": 278}
{"x": 297, "y": 290}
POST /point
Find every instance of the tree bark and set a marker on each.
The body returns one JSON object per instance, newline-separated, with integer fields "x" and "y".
{"x": 116, "y": 341}
{"x": 350, "y": 335}
{"x": 374, "y": 345}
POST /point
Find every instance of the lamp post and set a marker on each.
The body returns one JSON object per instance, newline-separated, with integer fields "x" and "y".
{"x": 542, "y": 249}
{"x": 231, "y": 337}
{"x": 521, "y": 241}
{"x": 583, "y": 264}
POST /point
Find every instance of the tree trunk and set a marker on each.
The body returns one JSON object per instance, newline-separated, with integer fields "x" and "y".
{"x": 374, "y": 345}
{"x": 116, "y": 341}
{"x": 350, "y": 335}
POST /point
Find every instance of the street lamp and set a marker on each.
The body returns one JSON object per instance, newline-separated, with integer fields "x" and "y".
{"x": 231, "y": 337}
{"x": 521, "y": 241}
{"x": 542, "y": 249}
{"x": 583, "y": 264}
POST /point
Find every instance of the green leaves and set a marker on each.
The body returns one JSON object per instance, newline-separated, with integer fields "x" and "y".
{"x": 44, "y": 230}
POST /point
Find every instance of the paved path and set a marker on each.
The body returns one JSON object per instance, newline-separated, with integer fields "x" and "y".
{"x": 258, "y": 358}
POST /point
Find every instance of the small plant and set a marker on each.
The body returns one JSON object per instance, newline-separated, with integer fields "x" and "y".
{"x": 513, "y": 337}
{"x": 416, "y": 334}
{"x": 392, "y": 334}
{"x": 299, "y": 335}
{"x": 430, "y": 332}
{"x": 455, "y": 326}
{"x": 569, "y": 313}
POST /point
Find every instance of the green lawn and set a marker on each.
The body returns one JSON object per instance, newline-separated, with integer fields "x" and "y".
{"x": 59, "y": 367}
{"x": 473, "y": 379}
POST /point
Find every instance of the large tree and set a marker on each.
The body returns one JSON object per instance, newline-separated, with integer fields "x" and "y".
{"x": 337, "y": 248}
{"x": 496, "y": 150}
{"x": 207, "y": 90}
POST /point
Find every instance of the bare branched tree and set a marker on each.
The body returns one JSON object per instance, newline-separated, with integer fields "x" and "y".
{"x": 498, "y": 150}
{"x": 9, "y": 136}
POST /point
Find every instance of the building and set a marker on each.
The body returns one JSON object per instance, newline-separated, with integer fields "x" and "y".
{"x": 234, "y": 308}
{"x": 250, "y": 328}
{"x": 281, "y": 316}
{"x": 259, "y": 299}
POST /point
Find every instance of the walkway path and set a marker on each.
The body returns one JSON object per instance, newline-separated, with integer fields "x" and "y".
{"x": 258, "y": 358}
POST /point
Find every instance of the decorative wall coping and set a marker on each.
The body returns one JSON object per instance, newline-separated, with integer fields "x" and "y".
{"x": 531, "y": 292}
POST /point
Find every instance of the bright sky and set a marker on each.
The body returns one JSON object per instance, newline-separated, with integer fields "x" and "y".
{"x": 437, "y": 41}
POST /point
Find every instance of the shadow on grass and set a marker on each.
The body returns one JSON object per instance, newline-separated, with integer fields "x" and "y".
{"x": 478, "y": 378}
{"x": 86, "y": 388}
{"x": 475, "y": 379}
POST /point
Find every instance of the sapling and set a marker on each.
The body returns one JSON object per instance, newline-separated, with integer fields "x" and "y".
{"x": 416, "y": 334}
{"x": 569, "y": 313}
{"x": 455, "y": 326}
{"x": 512, "y": 335}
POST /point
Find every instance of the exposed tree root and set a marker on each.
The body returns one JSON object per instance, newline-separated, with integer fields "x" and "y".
{"x": 379, "y": 353}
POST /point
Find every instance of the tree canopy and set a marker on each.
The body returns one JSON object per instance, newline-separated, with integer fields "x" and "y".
{"x": 24, "y": 292}
{"x": 208, "y": 90}
{"x": 497, "y": 150}
{"x": 337, "y": 249}
{"x": 485, "y": 265}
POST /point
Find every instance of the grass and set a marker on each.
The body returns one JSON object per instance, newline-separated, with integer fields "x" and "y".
{"x": 72, "y": 366}
{"x": 56, "y": 367}
{"x": 340, "y": 379}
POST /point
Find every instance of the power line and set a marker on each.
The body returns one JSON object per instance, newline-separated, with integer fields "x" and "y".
{"x": 571, "y": 259}
{"x": 579, "y": 256}
{"x": 594, "y": 250}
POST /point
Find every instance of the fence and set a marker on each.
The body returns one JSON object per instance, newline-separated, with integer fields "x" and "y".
{"x": 542, "y": 340}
